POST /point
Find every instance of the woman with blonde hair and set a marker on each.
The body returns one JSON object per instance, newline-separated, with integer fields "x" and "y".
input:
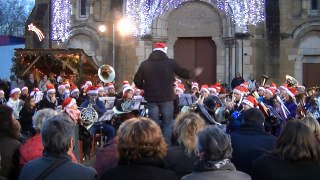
{"x": 313, "y": 124}
{"x": 141, "y": 148}
{"x": 182, "y": 156}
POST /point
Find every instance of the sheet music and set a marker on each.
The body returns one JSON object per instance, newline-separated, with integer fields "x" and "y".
{"x": 108, "y": 101}
{"x": 185, "y": 100}
{"x": 137, "y": 102}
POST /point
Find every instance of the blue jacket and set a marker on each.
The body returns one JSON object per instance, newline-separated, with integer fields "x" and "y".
{"x": 67, "y": 170}
{"x": 99, "y": 106}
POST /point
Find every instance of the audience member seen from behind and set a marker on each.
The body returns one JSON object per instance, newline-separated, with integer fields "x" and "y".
{"x": 141, "y": 148}
{"x": 57, "y": 136}
{"x": 215, "y": 150}
{"x": 313, "y": 124}
{"x": 26, "y": 113}
{"x": 250, "y": 141}
{"x": 296, "y": 156}
{"x": 182, "y": 156}
{"x": 9, "y": 144}
{"x": 33, "y": 147}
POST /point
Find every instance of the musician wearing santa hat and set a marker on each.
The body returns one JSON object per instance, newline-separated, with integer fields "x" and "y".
{"x": 156, "y": 77}
{"x": 49, "y": 100}
{"x": 92, "y": 98}
{"x": 14, "y": 102}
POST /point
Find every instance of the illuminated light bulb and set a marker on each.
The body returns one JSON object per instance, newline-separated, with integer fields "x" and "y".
{"x": 102, "y": 28}
{"x": 125, "y": 26}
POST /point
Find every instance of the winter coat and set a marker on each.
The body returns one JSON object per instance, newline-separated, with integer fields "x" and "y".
{"x": 249, "y": 143}
{"x": 156, "y": 77}
{"x": 67, "y": 170}
{"x": 9, "y": 151}
{"x": 16, "y": 107}
{"x": 272, "y": 167}
{"x": 145, "y": 168}
{"x": 45, "y": 103}
{"x": 106, "y": 157}
{"x": 179, "y": 162}
{"x": 227, "y": 172}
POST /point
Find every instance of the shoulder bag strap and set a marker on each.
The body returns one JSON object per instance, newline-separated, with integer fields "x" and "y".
{"x": 51, "y": 168}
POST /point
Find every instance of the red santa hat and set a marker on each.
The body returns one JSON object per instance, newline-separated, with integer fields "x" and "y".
{"x": 261, "y": 88}
{"x": 50, "y": 88}
{"x": 273, "y": 85}
{"x": 125, "y": 84}
{"x": 110, "y": 85}
{"x": 92, "y": 90}
{"x": 100, "y": 88}
{"x": 88, "y": 83}
{"x": 205, "y": 88}
{"x": 180, "y": 88}
{"x": 125, "y": 89}
{"x": 24, "y": 88}
{"x": 74, "y": 89}
{"x": 34, "y": 91}
{"x": 283, "y": 86}
{"x": 161, "y": 47}
{"x": 66, "y": 84}
{"x": 239, "y": 90}
{"x": 271, "y": 90}
{"x": 136, "y": 90}
{"x": 15, "y": 90}
{"x": 62, "y": 86}
{"x": 251, "y": 101}
{"x": 194, "y": 85}
{"x": 213, "y": 88}
{"x": 245, "y": 85}
{"x": 291, "y": 91}
{"x": 68, "y": 103}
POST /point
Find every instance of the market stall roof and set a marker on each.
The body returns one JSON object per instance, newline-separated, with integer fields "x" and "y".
{"x": 72, "y": 61}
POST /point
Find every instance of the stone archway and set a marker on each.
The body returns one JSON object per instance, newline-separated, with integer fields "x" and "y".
{"x": 206, "y": 21}
{"x": 307, "y": 38}
{"x": 86, "y": 38}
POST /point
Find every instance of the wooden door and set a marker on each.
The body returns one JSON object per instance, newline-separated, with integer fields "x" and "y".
{"x": 193, "y": 52}
{"x": 310, "y": 74}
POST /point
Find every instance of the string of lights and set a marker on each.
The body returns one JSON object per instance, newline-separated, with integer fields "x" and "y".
{"x": 243, "y": 12}
{"x": 61, "y": 13}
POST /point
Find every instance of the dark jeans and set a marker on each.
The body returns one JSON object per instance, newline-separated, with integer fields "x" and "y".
{"x": 107, "y": 130}
{"x": 166, "y": 123}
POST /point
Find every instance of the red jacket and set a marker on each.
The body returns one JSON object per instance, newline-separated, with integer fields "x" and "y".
{"x": 33, "y": 149}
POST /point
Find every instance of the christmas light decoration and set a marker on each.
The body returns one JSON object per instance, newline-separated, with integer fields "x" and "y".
{"x": 33, "y": 28}
{"x": 242, "y": 12}
{"x": 61, "y": 13}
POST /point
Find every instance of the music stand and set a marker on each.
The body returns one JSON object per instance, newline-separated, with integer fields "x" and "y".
{"x": 108, "y": 101}
{"x": 185, "y": 100}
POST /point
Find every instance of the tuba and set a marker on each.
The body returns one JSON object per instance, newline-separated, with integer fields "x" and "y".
{"x": 106, "y": 73}
{"x": 89, "y": 116}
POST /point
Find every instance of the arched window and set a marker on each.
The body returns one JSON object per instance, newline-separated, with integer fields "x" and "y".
{"x": 82, "y": 8}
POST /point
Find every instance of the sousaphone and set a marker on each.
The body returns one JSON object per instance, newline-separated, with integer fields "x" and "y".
{"x": 106, "y": 73}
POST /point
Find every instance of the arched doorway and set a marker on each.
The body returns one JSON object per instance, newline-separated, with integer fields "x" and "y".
{"x": 197, "y": 51}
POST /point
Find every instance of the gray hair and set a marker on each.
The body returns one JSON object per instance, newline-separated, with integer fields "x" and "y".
{"x": 41, "y": 116}
{"x": 56, "y": 133}
{"x": 214, "y": 143}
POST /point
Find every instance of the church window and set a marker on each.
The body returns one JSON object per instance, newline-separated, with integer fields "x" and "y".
{"x": 82, "y": 8}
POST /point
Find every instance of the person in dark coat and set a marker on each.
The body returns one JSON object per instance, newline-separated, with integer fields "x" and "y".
{"x": 236, "y": 81}
{"x": 141, "y": 149}
{"x": 57, "y": 136}
{"x": 9, "y": 144}
{"x": 296, "y": 156}
{"x": 31, "y": 82}
{"x": 106, "y": 157}
{"x": 49, "y": 100}
{"x": 182, "y": 156}
{"x": 250, "y": 141}
{"x": 26, "y": 113}
{"x": 156, "y": 77}
{"x": 214, "y": 147}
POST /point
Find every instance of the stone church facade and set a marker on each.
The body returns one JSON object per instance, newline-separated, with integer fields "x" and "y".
{"x": 286, "y": 43}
